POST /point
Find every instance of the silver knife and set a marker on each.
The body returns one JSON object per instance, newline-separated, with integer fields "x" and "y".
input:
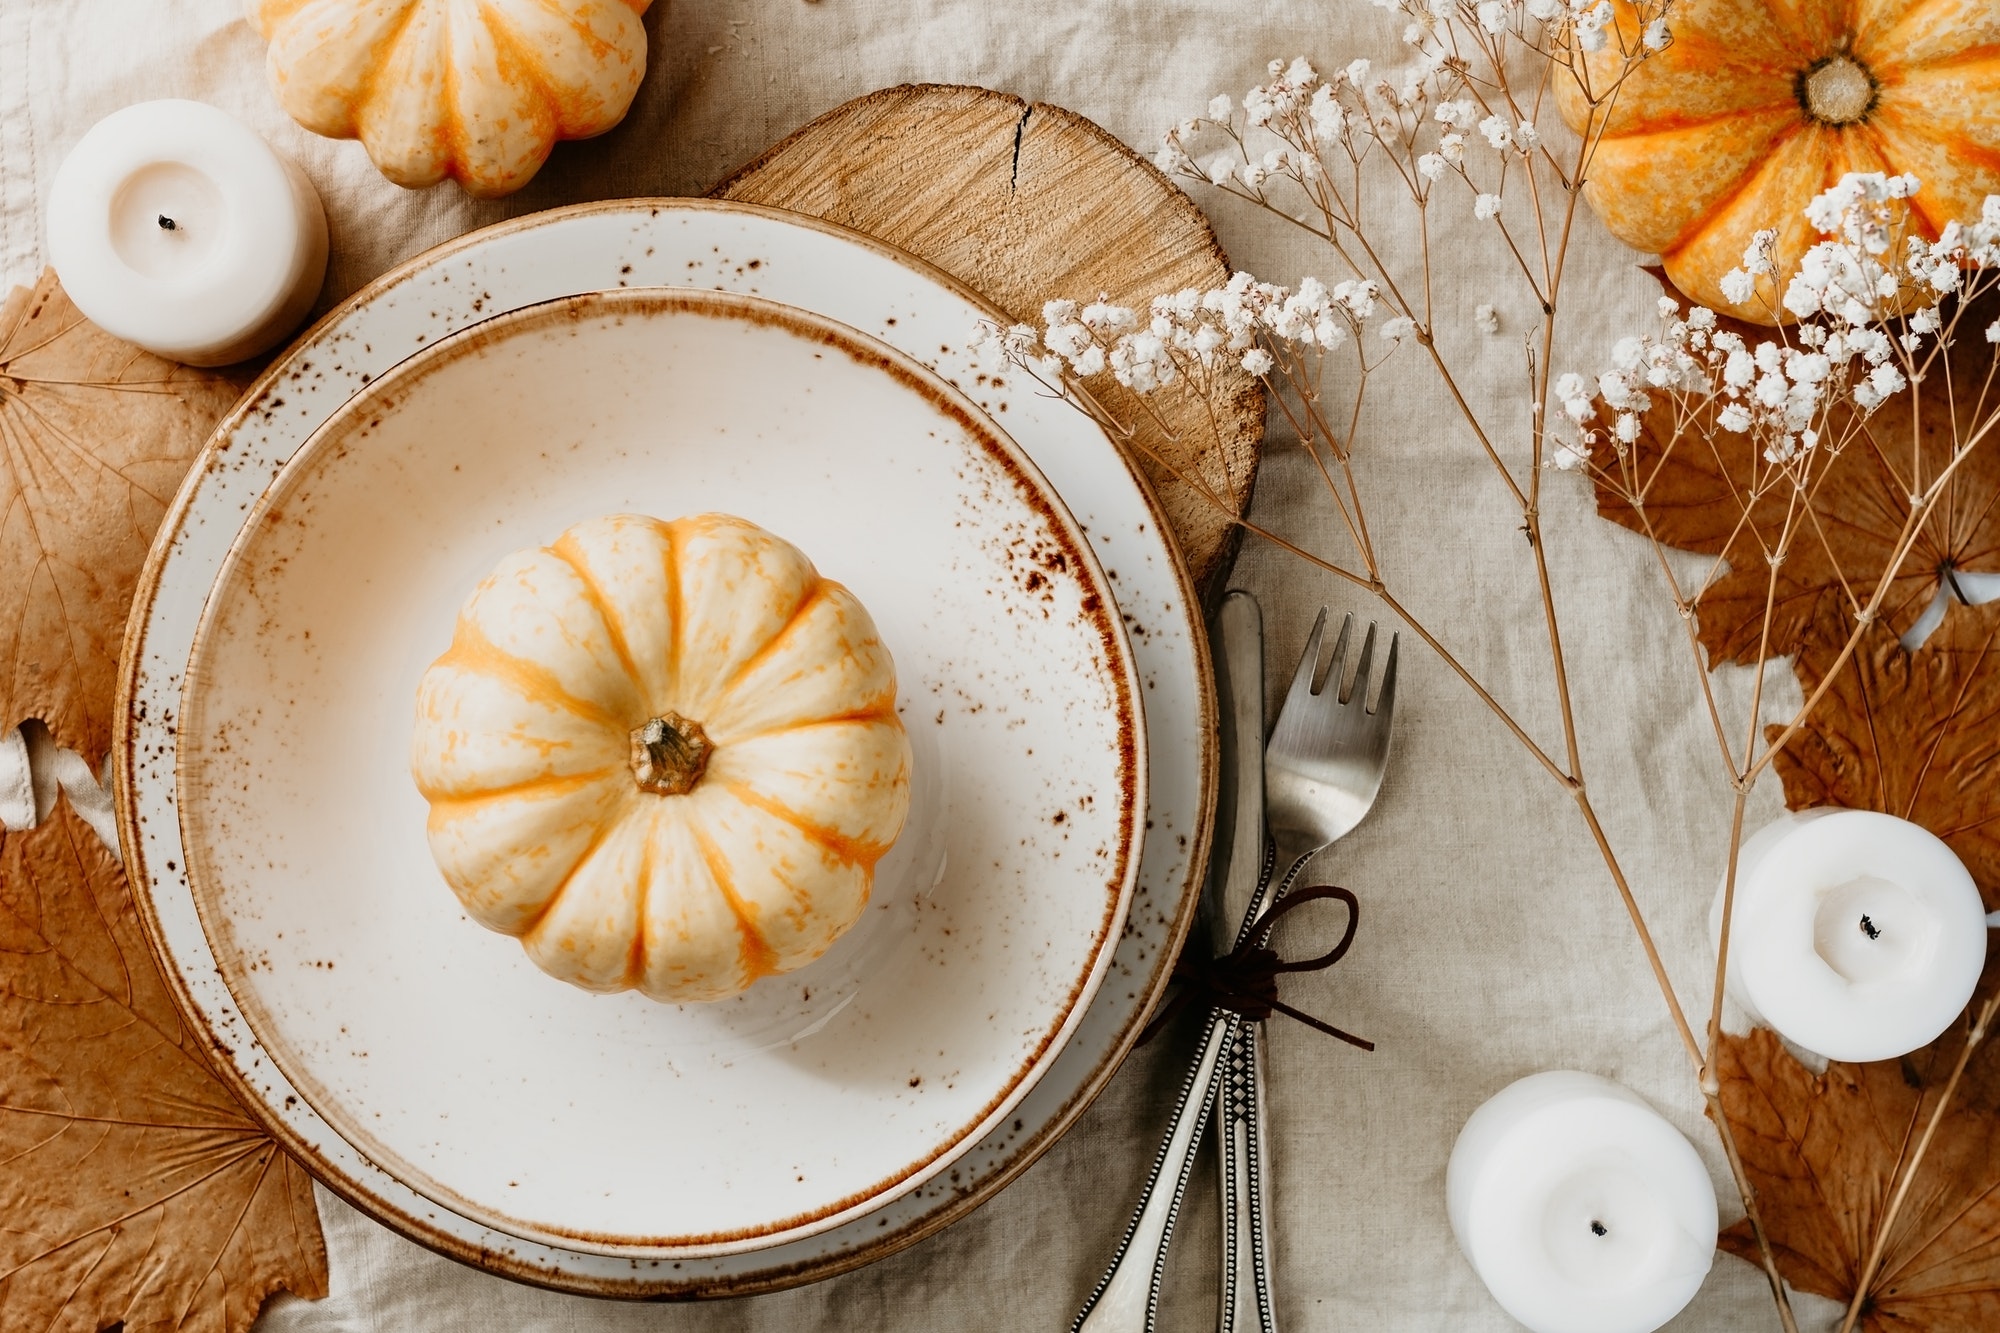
{"x": 1126, "y": 1299}
{"x": 1247, "y": 1305}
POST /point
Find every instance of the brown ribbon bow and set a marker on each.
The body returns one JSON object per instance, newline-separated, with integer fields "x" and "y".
{"x": 1245, "y": 980}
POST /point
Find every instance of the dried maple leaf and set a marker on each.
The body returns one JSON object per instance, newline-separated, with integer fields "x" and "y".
{"x": 1693, "y": 496}
{"x": 1822, "y": 1152}
{"x": 1913, "y": 734}
{"x": 95, "y": 436}
{"x": 133, "y": 1187}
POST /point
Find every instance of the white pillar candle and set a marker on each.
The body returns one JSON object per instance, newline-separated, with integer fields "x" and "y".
{"x": 1856, "y": 935}
{"x": 1580, "y": 1207}
{"x": 175, "y": 227}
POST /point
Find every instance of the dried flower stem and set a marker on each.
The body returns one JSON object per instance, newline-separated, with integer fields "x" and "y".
{"x": 1727, "y": 1133}
{"x": 1711, "y": 1086}
{"x": 1327, "y": 129}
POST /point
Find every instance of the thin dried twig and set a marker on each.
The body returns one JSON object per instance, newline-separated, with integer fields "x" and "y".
{"x": 1323, "y": 159}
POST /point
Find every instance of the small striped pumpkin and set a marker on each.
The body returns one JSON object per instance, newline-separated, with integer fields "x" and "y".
{"x": 477, "y": 90}
{"x": 665, "y": 756}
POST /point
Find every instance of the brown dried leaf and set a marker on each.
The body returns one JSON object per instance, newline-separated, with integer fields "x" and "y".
{"x": 1822, "y": 1153}
{"x": 1693, "y": 500}
{"x": 133, "y": 1187}
{"x": 95, "y": 436}
{"x": 1913, "y": 734}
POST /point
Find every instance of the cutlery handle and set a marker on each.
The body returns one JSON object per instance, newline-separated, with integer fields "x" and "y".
{"x": 1247, "y": 1305}
{"x": 1126, "y": 1299}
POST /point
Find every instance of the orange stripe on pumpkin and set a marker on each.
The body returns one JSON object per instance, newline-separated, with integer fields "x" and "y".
{"x": 677, "y": 638}
{"x": 759, "y": 959}
{"x": 771, "y": 645}
{"x": 472, "y": 650}
{"x": 565, "y": 550}
{"x": 882, "y": 709}
{"x": 851, "y": 850}
{"x": 604, "y": 830}
{"x": 550, "y": 785}
{"x": 635, "y": 959}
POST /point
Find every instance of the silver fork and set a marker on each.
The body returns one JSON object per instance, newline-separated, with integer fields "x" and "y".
{"x": 1322, "y": 769}
{"x": 1324, "y": 762}
{"x": 1325, "y": 751}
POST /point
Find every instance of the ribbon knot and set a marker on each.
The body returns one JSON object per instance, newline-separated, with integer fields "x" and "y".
{"x": 1245, "y": 980}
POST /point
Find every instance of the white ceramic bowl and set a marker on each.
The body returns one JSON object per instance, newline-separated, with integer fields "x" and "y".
{"x": 615, "y": 1124}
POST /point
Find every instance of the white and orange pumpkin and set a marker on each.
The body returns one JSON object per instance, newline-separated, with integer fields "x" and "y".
{"x": 477, "y": 90}
{"x": 1759, "y": 105}
{"x": 666, "y": 756}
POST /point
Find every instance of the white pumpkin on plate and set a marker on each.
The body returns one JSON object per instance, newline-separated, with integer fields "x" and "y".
{"x": 665, "y": 755}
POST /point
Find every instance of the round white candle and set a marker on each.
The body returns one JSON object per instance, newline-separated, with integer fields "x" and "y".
{"x": 1580, "y": 1207}
{"x": 175, "y": 227}
{"x": 1856, "y": 935}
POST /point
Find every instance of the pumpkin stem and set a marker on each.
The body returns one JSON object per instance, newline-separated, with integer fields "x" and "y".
{"x": 1838, "y": 90}
{"x": 669, "y": 755}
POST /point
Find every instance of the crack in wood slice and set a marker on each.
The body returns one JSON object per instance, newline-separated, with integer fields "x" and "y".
{"x": 1027, "y": 203}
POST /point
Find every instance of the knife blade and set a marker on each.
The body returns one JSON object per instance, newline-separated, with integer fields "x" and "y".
{"x": 1236, "y": 868}
{"x": 1238, "y": 1087}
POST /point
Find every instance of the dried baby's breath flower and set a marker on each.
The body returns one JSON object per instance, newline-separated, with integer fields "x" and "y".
{"x": 1849, "y": 294}
{"x": 1361, "y": 152}
{"x": 1590, "y": 25}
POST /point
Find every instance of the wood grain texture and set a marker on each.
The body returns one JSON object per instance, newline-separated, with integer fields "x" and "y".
{"x": 1026, "y": 203}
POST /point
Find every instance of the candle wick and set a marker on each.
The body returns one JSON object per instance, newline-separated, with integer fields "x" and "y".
{"x": 168, "y": 224}
{"x": 1869, "y": 928}
{"x": 1599, "y": 1229}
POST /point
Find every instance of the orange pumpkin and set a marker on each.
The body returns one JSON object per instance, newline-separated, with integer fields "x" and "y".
{"x": 1759, "y": 105}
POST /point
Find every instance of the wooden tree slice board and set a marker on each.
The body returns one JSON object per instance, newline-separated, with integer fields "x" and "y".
{"x": 1025, "y": 204}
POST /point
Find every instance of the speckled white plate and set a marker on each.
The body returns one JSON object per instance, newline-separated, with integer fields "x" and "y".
{"x": 714, "y": 246}
{"x": 617, "y": 1124}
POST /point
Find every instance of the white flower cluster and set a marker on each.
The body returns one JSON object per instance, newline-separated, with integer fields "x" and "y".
{"x": 1235, "y": 323}
{"x": 1771, "y": 390}
{"x": 1309, "y": 116}
{"x": 1586, "y": 20}
{"x": 1018, "y": 344}
{"x": 1777, "y": 389}
{"x": 1590, "y": 26}
{"x": 1854, "y": 276}
{"x": 1427, "y": 116}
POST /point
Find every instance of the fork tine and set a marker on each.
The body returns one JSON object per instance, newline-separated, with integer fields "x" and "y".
{"x": 1324, "y": 760}
{"x": 1302, "y": 677}
{"x": 1358, "y": 692}
{"x": 1334, "y": 669}
{"x": 1385, "y": 703}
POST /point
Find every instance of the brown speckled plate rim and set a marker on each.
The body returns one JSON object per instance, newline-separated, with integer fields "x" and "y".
{"x": 339, "y": 434}
{"x": 653, "y": 1287}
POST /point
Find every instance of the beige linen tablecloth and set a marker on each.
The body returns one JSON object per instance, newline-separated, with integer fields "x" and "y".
{"x": 1491, "y": 943}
